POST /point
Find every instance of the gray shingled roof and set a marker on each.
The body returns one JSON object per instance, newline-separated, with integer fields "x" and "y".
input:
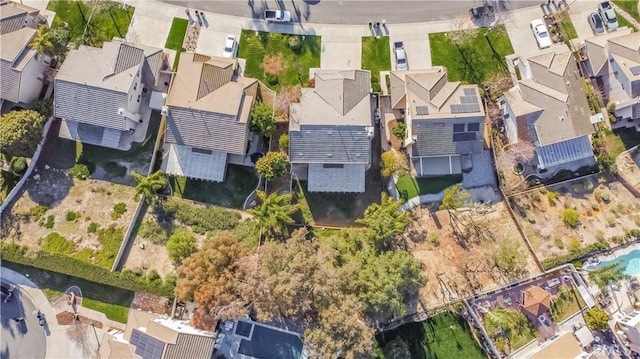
{"x": 435, "y": 138}
{"x": 190, "y": 346}
{"x": 182, "y": 161}
{"x": 350, "y": 178}
{"x": 12, "y": 18}
{"x": 330, "y": 144}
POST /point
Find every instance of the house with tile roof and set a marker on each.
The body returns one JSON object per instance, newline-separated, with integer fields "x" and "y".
{"x": 208, "y": 114}
{"x": 445, "y": 120}
{"x": 330, "y": 132}
{"x": 614, "y": 59}
{"x": 151, "y": 336}
{"x": 21, "y": 68}
{"x": 549, "y": 108}
{"x": 101, "y": 94}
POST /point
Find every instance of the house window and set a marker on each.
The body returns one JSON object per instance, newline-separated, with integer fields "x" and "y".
{"x": 198, "y": 150}
{"x": 135, "y": 86}
{"x": 458, "y": 127}
{"x": 333, "y": 165}
{"x": 506, "y": 115}
{"x": 464, "y": 136}
{"x": 473, "y": 127}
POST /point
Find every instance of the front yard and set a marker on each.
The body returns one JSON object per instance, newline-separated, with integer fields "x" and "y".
{"x": 255, "y": 45}
{"x": 478, "y": 59}
{"x": 107, "y": 19}
{"x": 375, "y": 58}
{"x": 175, "y": 39}
{"x": 443, "y": 336}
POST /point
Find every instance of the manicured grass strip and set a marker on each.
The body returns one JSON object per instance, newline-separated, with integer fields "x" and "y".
{"x": 409, "y": 187}
{"x": 477, "y": 59}
{"x": 108, "y": 20}
{"x": 80, "y": 270}
{"x": 375, "y": 58}
{"x": 567, "y": 28}
{"x": 622, "y": 22}
{"x": 630, "y": 6}
{"x": 254, "y": 45}
{"x": 444, "y": 336}
{"x": 112, "y": 301}
{"x": 177, "y": 33}
{"x": 240, "y": 182}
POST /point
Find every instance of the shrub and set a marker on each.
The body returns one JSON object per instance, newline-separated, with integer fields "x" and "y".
{"x": 50, "y": 222}
{"x": 181, "y": 245}
{"x": 205, "y": 219}
{"x": 153, "y": 231}
{"x": 570, "y": 217}
{"x": 597, "y": 319}
{"x": 36, "y": 212}
{"x": 574, "y": 244}
{"x": 18, "y": 165}
{"x": 633, "y": 234}
{"x": 80, "y": 171}
{"x": 56, "y": 243}
{"x": 552, "y": 195}
{"x": 283, "y": 142}
{"x": 580, "y": 253}
{"x": 433, "y": 238}
{"x": 118, "y": 210}
{"x": 558, "y": 242}
{"x": 262, "y": 119}
{"x": 71, "y": 216}
{"x": 272, "y": 165}
{"x": 295, "y": 43}
{"x": 399, "y": 131}
{"x": 93, "y": 227}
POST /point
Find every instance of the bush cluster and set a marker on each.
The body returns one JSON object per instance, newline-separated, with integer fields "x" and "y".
{"x": 204, "y": 219}
{"x": 118, "y": 210}
{"x": 573, "y": 256}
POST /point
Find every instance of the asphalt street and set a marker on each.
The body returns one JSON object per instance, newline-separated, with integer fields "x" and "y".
{"x": 24, "y": 339}
{"x": 352, "y": 11}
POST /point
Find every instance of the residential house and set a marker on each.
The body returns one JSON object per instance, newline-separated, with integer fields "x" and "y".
{"x": 618, "y": 54}
{"x": 330, "y": 131}
{"x": 630, "y": 325}
{"x": 152, "y": 336}
{"x": 253, "y": 340}
{"x": 549, "y": 108}
{"x": 445, "y": 120}
{"x": 208, "y": 113}
{"x": 21, "y": 68}
{"x": 101, "y": 93}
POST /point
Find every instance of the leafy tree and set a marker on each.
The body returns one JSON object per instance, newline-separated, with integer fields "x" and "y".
{"x": 341, "y": 330}
{"x": 393, "y": 162}
{"x": 283, "y": 142}
{"x": 181, "y": 245}
{"x": 397, "y": 349}
{"x": 274, "y": 214}
{"x": 597, "y": 319}
{"x": 385, "y": 222}
{"x": 20, "y": 132}
{"x": 507, "y": 320}
{"x": 43, "y": 107}
{"x": 80, "y": 171}
{"x": 454, "y": 197}
{"x": 272, "y": 165}
{"x": 262, "y": 119}
{"x": 522, "y": 151}
{"x": 150, "y": 185}
{"x": 509, "y": 257}
{"x": 570, "y": 217}
{"x": 400, "y": 131}
{"x": 59, "y": 37}
{"x": 210, "y": 277}
{"x": 606, "y": 275}
{"x": 41, "y": 43}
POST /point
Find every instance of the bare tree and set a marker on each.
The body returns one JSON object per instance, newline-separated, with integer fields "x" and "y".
{"x": 274, "y": 64}
{"x": 460, "y": 33}
{"x": 287, "y": 96}
{"x": 522, "y": 151}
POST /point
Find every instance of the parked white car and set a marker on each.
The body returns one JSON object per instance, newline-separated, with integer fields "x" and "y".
{"x": 230, "y": 47}
{"x": 541, "y": 33}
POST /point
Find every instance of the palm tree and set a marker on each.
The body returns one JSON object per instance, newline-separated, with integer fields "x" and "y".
{"x": 274, "y": 214}
{"x": 41, "y": 42}
{"x": 150, "y": 185}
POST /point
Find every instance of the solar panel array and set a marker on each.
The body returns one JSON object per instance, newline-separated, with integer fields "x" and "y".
{"x": 635, "y": 70}
{"x": 243, "y": 329}
{"x": 469, "y": 102}
{"x": 147, "y": 346}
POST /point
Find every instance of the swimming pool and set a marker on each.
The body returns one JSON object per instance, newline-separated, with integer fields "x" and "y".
{"x": 630, "y": 262}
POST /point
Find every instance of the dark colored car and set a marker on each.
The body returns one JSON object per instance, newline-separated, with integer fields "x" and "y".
{"x": 595, "y": 21}
{"x": 6, "y": 292}
{"x": 481, "y": 12}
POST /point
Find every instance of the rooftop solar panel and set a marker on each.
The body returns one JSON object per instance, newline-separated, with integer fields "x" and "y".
{"x": 243, "y": 328}
{"x": 147, "y": 346}
{"x": 422, "y": 110}
{"x": 469, "y": 92}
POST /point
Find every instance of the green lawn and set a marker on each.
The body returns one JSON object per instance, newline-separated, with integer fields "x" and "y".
{"x": 112, "y": 301}
{"x": 620, "y": 140}
{"x": 630, "y": 6}
{"x": 108, "y": 20}
{"x": 231, "y": 193}
{"x": 409, "y": 187}
{"x": 254, "y": 45}
{"x": 566, "y": 303}
{"x": 376, "y": 58}
{"x": 175, "y": 39}
{"x": 475, "y": 61}
{"x": 566, "y": 27}
{"x": 622, "y": 22}
{"x": 443, "y": 336}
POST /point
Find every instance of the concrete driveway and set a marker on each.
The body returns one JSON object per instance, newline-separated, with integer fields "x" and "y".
{"x": 519, "y": 30}
{"x": 341, "y": 52}
{"x": 416, "y": 45}
{"x": 579, "y": 12}
{"x": 24, "y": 338}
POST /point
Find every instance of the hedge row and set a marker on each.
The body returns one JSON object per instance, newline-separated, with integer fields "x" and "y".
{"x": 67, "y": 265}
{"x": 575, "y": 255}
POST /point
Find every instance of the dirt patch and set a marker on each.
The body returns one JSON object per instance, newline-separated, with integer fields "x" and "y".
{"x": 68, "y": 318}
{"x": 606, "y": 209}
{"x": 628, "y": 165}
{"x": 391, "y": 139}
{"x": 457, "y": 268}
{"x": 151, "y": 303}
